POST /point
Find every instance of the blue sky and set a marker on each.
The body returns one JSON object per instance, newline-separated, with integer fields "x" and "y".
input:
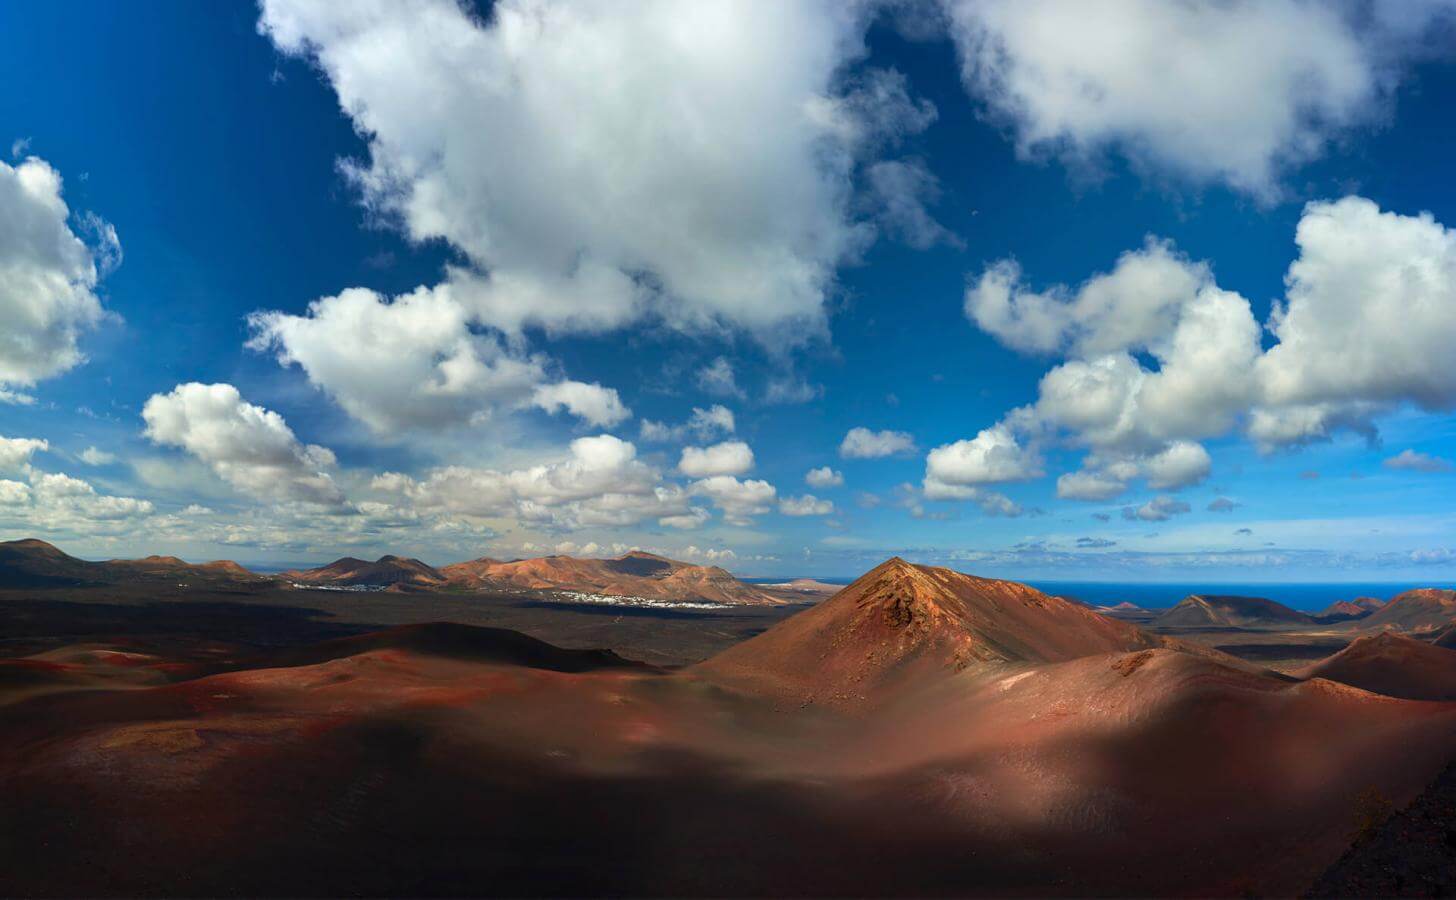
{"x": 539, "y": 237}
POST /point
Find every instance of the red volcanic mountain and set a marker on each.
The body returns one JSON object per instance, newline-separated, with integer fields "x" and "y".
{"x": 35, "y": 563}
{"x": 1343, "y": 610}
{"x": 635, "y": 574}
{"x": 1393, "y": 665}
{"x": 901, "y": 625}
{"x": 1221, "y": 611}
{"x": 392, "y": 571}
{"x": 1423, "y": 609}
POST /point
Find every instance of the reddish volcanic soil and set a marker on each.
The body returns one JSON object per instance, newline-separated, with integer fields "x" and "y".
{"x": 1393, "y": 665}
{"x": 903, "y": 627}
{"x": 968, "y": 737}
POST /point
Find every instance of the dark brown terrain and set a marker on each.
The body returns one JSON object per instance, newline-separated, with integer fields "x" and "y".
{"x": 923, "y": 732}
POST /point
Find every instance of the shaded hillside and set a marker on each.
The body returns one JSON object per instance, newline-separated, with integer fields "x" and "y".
{"x": 1393, "y": 665}
{"x": 635, "y": 574}
{"x": 439, "y": 761}
{"x": 1222, "y": 611}
{"x": 1419, "y": 610}
{"x": 34, "y": 563}
{"x": 902, "y": 626}
{"x": 394, "y": 571}
{"x": 1405, "y": 853}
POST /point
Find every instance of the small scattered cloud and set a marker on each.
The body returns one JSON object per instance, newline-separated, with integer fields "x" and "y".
{"x": 1222, "y": 504}
{"x": 807, "y": 505}
{"x": 717, "y": 378}
{"x": 824, "y": 477}
{"x": 1412, "y": 461}
{"x": 1091, "y": 543}
{"x": 1158, "y": 509}
{"x": 862, "y": 443}
{"x": 93, "y": 456}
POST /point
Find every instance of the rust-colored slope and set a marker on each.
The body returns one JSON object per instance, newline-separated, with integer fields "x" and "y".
{"x": 901, "y": 626}
{"x": 634, "y": 574}
{"x": 1423, "y": 609}
{"x": 418, "y": 762}
{"x": 1393, "y": 665}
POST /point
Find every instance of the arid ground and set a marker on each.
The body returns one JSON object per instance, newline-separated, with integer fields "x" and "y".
{"x": 921, "y": 733}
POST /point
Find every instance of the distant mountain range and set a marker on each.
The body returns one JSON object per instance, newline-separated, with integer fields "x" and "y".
{"x": 35, "y": 563}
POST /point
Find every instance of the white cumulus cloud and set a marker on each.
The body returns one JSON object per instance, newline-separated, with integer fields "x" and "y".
{"x": 48, "y": 277}
{"x": 862, "y": 443}
{"x": 565, "y": 150}
{"x": 249, "y": 447}
{"x": 727, "y": 458}
{"x": 824, "y": 477}
{"x": 1233, "y": 91}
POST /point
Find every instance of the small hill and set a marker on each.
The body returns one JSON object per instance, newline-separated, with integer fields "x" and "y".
{"x": 901, "y": 626}
{"x": 33, "y": 563}
{"x": 1423, "y": 609}
{"x": 1226, "y": 611}
{"x": 386, "y": 571}
{"x": 635, "y": 574}
{"x": 1393, "y": 665}
{"x": 1345, "y": 610}
{"x": 455, "y": 641}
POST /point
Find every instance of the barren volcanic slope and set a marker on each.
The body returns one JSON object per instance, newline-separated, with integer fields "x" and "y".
{"x": 445, "y": 760}
{"x": 1419, "y": 610}
{"x": 34, "y": 563}
{"x": 1393, "y": 665}
{"x": 635, "y": 574}
{"x": 395, "y": 571}
{"x": 902, "y": 625}
{"x": 1345, "y": 610}
{"x": 1217, "y": 611}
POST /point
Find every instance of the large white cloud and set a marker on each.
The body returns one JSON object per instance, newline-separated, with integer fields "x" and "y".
{"x": 440, "y": 371}
{"x": 600, "y": 161}
{"x": 991, "y": 457}
{"x": 599, "y": 482}
{"x": 48, "y": 277}
{"x": 249, "y": 447}
{"x": 1367, "y": 324}
{"x": 1368, "y": 317}
{"x": 726, "y": 458}
{"x": 1235, "y": 91}
{"x": 53, "y": 503}
{"x": 739, "y": 500}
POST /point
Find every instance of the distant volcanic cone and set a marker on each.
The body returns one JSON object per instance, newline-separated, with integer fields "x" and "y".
{"x": 902, "y": 626}
{"x": 1393, "y": 665}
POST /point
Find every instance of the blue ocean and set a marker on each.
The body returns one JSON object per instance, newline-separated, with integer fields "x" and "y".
{"x": 1308, "y": 596}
